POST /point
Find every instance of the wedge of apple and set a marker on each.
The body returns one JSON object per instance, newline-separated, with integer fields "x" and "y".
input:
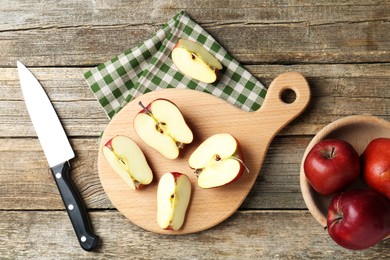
{"x": 218, "y": 161}
{"x": 127, "y": 160}
{"x": 194, "y": 61}
{"x": 173, "y": 197}
{"x": 162, "y": 126}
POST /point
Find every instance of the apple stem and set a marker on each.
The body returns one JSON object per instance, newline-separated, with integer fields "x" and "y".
{"x": 332, "y": 152}
{"x": 145, "y": 108}
{"x": 197, "y": 172}
{"x": 137, "y": 184}
{"x": 179, "y": 145}
{"x": 242, "y": 162}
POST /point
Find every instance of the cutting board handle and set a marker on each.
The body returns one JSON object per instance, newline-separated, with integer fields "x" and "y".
{"x": 277, "y": 113}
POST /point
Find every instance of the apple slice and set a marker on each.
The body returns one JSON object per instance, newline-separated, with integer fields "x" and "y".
{"x": 173, "y": 197}
{"x": 127, "y": 160}
{"x": 162, "y": 126}
{"x": 194, "y": 61}
{"x": 217, "y": 161}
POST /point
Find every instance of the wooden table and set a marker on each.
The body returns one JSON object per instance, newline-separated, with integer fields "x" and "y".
{"x": 342, "y": 47}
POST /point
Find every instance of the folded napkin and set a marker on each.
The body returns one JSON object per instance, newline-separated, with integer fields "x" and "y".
{"x": 149, "y": 66}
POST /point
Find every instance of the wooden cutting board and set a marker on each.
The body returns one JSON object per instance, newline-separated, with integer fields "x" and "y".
{"x": 206, "y": 115}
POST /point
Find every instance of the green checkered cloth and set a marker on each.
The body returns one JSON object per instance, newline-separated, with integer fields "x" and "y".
{"x": 149, "y": 66}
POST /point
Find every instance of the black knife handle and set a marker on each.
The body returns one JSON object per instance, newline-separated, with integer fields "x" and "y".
{"x": 75, "y": 207}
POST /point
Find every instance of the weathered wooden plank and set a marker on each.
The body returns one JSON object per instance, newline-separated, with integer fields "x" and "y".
{"x": 68, "y": 84}
{"x": 337, "y": 91}
{"x": 245, "y": 235}
{"x": 27, "y": 183}
{"x": 87, "y": 33}
{"x": 37, "y": 14}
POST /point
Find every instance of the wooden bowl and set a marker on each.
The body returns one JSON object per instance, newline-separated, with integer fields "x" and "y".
{"x": 358, "y": 131}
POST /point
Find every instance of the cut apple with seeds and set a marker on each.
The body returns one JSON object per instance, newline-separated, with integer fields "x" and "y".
{"x": 128, "y": 161}
{"x": 217, "y": 161}
{"x": 173, "y": 197}
{"x": 162, "y": 126}
{"x": 194, "y": 61}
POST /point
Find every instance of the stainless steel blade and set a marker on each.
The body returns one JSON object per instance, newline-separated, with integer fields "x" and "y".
{"x": 48, "y": 127}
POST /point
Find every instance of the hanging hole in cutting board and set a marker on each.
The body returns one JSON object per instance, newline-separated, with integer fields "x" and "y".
{"x": 288, "y": 96}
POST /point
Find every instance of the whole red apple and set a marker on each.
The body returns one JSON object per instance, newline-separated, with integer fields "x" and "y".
{"x": 358, "y": 219}
{"x": 376, "y": 165}
{"x": 331, "y": 166}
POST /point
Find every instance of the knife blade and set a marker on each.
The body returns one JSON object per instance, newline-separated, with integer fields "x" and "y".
{"x": 58, "y": 152}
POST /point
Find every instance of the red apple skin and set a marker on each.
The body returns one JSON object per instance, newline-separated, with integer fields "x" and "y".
{"x": 109, "y": 144}
{"x": 358, "y": 219}
{"x": 331, "y": 166}
{"x": 376, "y": 165}
{"x": 176, "y": 175}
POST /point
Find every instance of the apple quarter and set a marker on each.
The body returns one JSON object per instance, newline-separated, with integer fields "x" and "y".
{"x": 128, "y": 161}
{"x": 173, "y": 198}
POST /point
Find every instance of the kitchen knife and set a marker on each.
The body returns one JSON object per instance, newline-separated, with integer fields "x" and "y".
{"x": 58, "y": 152}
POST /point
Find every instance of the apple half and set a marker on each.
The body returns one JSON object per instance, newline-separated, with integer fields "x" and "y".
{"x": 128, "y": 161}
{"x": 162, "y": 126}
{"x": 173, "y": 197}
{"x": 218, "y": 161}
{"x": 194, "y": 61}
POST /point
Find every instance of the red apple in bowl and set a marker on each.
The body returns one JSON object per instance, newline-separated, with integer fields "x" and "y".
{"x": 376, "y": 165}
{"x": 358, "y": 219}
{"x": 331, "y": 166}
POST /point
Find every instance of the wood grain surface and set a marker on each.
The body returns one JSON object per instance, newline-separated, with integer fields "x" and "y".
{"x": 341, "y": 47}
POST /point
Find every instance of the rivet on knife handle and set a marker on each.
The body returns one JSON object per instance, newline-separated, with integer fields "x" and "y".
{"x": 75, "y": 208}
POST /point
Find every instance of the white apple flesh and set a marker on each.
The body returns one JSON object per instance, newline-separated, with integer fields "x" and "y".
{"x": 193, "y": 60}
{"x": 162, "y": 126}
{"x": 128, "y": 161}
{"x": 173, "y": 197}
{"x": 217, "y": 161}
